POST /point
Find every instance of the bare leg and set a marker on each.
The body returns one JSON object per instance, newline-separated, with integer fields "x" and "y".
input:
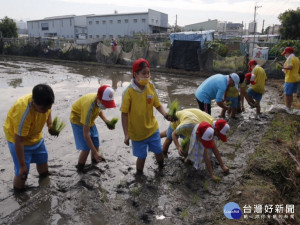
{"x": 83, "y": 157}
{"x": 166, "y": 145}
{"x": 42, "y": 169}
{"x": 163, "y": 134}
{"x": 288, "y": 101}
{"x": 223, "y": 113}
{"x": 140, "y": 164}
{"x": 160, "y": 159}
{"x": 233, "y": 112}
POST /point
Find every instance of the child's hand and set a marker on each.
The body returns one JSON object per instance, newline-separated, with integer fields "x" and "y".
{"x": 109, "y": 125}
{"x": 126, "y": 141}
{"x": 170, "y": 118}
{"x": 180, "y": 152}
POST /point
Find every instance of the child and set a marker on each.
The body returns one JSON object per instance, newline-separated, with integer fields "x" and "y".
{"x": 83, "y": 115}
{"x": 232, "y": 96}
{"x": 183, "y": 127}
{"x": 257, "y": 90}
{"x": 138, "y": 121}
{"x": 23, "y": 131}
{"x": 200, "y": 143}
{"x": 245, "y": 81}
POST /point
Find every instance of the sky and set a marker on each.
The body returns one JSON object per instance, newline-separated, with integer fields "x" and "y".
{"x": 184, "y": 11}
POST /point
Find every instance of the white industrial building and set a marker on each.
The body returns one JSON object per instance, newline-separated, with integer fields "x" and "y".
{"x": 99, "y": 26}
{"x": 127, "y": 24}
{"x": 68, "y": 27}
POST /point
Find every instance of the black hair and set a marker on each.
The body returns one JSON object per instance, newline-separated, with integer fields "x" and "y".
{"x": 142, "y": 66}
{"x": 241, "y": 76}
{"x": 43, "y": 95}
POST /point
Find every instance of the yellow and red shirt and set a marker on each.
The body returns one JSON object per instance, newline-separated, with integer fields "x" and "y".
{"x": 292, "y": 76}
{"x": 260, "y": 79}
{"x": 139, "y": 106}
{"x": 85, "y": 110}
{"x": 23, "y": 120}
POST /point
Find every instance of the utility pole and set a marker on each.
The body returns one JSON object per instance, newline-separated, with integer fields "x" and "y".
{"x": 255, "y": 7}
{"x": 262, "y": 30}
{"x": 175, "y": 24}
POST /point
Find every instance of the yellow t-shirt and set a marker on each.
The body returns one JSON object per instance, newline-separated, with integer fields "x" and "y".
{"x": 260, "y": 80}
{"x": 85, "y": 110}
{"x": 187, "y": 119}
{"x": 139, "y": 106}
{"x": 23, "y": 120}
{"x": 292, "y": 76}
{"x": 232, "y": 92}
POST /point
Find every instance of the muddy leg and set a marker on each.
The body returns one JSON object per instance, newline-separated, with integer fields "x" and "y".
{"x": 42, "y": 170}
{"x": 19, "y": 183}
{"x": 140, "y": 165}
{"x": 160, "y": 159}
{"x": 165, "y": 146}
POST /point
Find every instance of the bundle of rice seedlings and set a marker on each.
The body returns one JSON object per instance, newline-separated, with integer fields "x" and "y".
{"x": 57, "y": 127}
{"x": 279, "y": 66}
{"x": 229, "y": 103}
{"x": 185, "y": 144}
{"x": 111, "y": 124}
{"x": 173, "y": 109}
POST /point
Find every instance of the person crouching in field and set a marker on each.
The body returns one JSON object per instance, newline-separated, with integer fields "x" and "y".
{"x": 23, "y": 131}
{"x": 138, "y": 121}
{"x": 83, "y": 115}
{"x": 201, "y": 147}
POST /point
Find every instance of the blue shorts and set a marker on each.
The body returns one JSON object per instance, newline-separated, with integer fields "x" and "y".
{"x": 257, "y": 96}
{"x": 234, "y": 101}
{"x": 152, "y": 144}
{"x": 290, "y": 88}
{"x": 32, "y": 153}
{"x": 79, "y": 139}
{"x": 169, "y": 133}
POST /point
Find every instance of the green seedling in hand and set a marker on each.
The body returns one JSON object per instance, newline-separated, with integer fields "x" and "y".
{"x": 185, "y": 143}
{"x": 111, "y": 124}
{"x": 57, "y": 127}
{"x": 172, "y": 111}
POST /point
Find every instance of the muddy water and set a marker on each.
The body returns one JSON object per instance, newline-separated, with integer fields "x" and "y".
{"x": 111, "y": 193}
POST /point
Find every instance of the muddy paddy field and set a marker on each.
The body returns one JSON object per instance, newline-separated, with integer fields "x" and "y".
{"x": 262, "y": 156}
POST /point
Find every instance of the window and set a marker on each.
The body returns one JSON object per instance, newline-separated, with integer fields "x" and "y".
{"x": 111, "y": 21}
{"x": 53, "y": 23}
{"x": 70, "y": 22}
{"x": 156, "y": 21}
{"x": 104, "y": 22}
{"x": 119, "y": 21}
{"x": 135, "y": 20}
{"x": 91, "y": 36}
{"x": 152, "y": 20}
{"x": 45, "y": 26}
{"x": 104, "y": 36}
{"x": 90, "y": 22}
{"x": 97, "y": 36}
{"x": 143, "y": 20}
{"x": 126, "y": 20}
{"x": 97, "y": 22}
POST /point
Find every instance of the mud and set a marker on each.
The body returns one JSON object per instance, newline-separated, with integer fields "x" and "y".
{"x": 111, "y": 192}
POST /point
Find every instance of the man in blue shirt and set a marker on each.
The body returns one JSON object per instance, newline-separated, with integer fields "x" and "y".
{"x": 215, "y": 87}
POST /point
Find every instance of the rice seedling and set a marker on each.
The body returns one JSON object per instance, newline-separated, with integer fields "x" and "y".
{"x": 173, "y": 109}
{"x": 57, "y": 127}
{"x": 185, "y": 144}
{"x": 112, "y": 123}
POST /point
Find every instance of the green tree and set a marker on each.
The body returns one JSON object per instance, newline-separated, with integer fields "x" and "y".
{"x": 8, "y": 28}
{"x": 290, "y": 21}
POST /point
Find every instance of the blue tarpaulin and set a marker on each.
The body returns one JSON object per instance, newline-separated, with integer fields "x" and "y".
{"x": 200, "y": 36}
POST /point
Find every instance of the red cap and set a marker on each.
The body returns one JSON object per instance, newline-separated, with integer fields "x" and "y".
{"x": 136, "y": 66}
{"x": 250, "y": 77}
{"x": 205, "y": 133}
{"x": 251, "y": 63}
{"x": 223, "y": 128}
{"x": 287, "y": 50}
{"x": 106, "y": 95}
